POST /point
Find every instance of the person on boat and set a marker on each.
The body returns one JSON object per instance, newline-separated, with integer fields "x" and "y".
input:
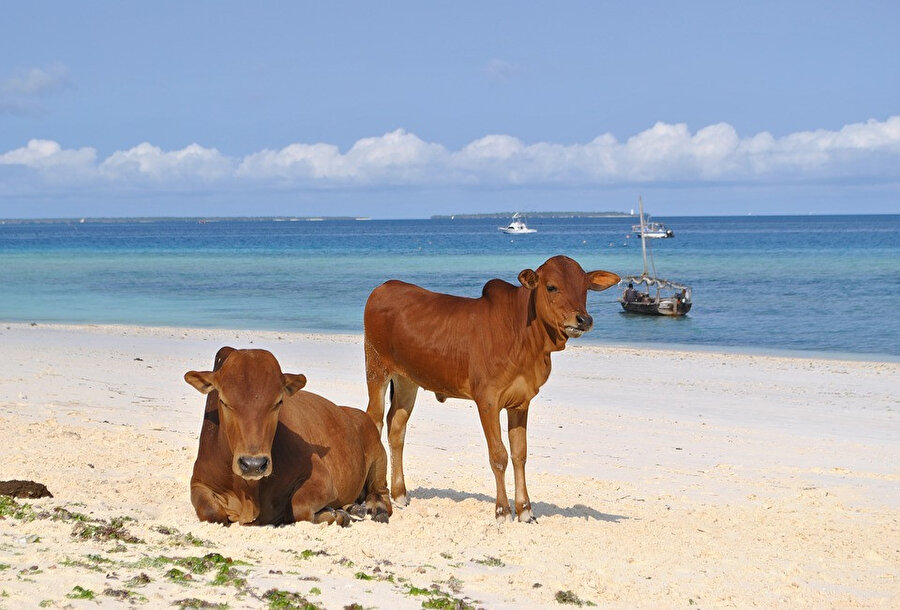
{"x": 630, "y": 293}
{"x": 680, "y": 298}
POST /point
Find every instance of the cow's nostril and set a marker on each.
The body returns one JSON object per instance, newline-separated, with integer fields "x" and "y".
{"x": 584, "y": 320}
{"x": 253, "y": 465}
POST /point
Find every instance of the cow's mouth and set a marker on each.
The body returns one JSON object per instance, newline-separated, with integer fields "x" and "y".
{"x": 583, "y": 323}
{"x": 255, "y": 477}
{"x": 573, "y": 332}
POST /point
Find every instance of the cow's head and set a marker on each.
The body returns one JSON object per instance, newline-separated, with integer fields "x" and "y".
{"x": 560, "y": 288}
{"x": 251, "y": 389}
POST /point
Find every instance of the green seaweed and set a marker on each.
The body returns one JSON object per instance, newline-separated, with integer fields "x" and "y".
{"x": 79, "y": 592}
{"x": 492, "y": 562}
{"x": 567, "y": 597}
{"x": 104, "y": 531}
{"x": 10, "y": 508}
{"x": 279, "y": 599}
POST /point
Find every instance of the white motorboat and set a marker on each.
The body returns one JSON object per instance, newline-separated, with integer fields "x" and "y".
{"x": 516, "y": 226}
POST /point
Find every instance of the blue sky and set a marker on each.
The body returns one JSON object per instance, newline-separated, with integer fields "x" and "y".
{"x": 407, "y": 109}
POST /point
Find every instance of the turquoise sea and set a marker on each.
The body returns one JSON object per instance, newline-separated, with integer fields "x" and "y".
{"x": 777, "y": 284}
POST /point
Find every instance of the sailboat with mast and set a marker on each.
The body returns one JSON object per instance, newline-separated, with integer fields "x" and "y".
{"x": 649, "y": 294}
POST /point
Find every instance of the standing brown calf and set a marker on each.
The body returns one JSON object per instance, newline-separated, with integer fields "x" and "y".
{"x": 494, "y": 350}
{"x": 271, "y": 453}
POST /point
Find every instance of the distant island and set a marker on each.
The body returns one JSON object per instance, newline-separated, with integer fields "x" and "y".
{"x": 536, "y": 215}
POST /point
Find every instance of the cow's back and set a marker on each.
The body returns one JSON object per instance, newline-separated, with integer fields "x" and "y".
{"x": 441, "y": 341}
{"x": 425, "y": 336}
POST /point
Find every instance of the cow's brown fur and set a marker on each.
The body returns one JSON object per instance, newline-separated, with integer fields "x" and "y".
{"x": 271, "y": 453}
{"x": 494, "y": 350}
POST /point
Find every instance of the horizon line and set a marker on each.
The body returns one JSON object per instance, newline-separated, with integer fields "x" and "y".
{"x": 361, "y": 218}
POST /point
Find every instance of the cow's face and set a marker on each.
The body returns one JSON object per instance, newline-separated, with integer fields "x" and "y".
{"x": 251, "y": 389}
{"x": 560, "y": 288}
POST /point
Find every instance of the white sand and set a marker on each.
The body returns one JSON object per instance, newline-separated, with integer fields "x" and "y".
{"x": 660, "y": 479}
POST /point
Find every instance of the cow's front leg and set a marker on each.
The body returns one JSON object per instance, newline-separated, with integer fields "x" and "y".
{"x": 490, "y": 423}
{"x": 518, "y": 445}
{"x": 208, "y": 506}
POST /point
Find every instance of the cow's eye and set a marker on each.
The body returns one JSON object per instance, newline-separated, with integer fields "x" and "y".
{"x": 551, "y": 288}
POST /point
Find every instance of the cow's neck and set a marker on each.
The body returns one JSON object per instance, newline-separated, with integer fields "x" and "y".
{"x": 542, "y": 336}
{"x": 244, "y": 504}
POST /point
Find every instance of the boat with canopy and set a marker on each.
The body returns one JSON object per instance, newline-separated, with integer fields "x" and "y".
{"x": 649, "y": 294}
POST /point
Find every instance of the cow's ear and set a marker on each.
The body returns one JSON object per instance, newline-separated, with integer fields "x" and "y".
{"x": 204, "y": 382}
{"x": 601, "y": 280}
{"x": 292, "y": 383}
{"x": 529, "y": 279}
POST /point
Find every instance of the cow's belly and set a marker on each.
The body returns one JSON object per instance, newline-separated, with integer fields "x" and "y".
{"x": 517, "y": 393}
{"x": 443, "y": 382}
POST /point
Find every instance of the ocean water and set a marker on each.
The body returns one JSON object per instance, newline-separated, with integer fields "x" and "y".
{"x": 817, "y": 284}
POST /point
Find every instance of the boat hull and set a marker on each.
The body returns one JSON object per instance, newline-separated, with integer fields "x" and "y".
{"x": 662, "y": 308}
{"x": 509, "y": 231}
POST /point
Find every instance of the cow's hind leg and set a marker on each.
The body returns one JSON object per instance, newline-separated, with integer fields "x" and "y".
{"x": 518, "y": 445}
{"x": 402, "y": 403}
{"x": 330, "y": 515}
{"x": 490, "y": 423}
{"x": 312, "y": 500}
{"x": 378, "y": 502}
{"x": 374, "y": 499}
{"x": 377, "y": 378}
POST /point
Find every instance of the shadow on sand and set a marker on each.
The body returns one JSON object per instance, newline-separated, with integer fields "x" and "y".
{"x": 541, "y": 509}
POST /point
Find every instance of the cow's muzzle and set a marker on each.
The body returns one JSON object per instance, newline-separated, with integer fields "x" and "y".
{"x": 583, "y": 323}
{"x": 254, "y": 466}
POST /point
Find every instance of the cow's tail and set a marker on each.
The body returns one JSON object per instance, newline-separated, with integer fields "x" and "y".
{"x": 379, "y": 404}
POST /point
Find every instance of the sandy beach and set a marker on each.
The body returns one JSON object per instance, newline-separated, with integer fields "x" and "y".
{"x": 659, "y": 478}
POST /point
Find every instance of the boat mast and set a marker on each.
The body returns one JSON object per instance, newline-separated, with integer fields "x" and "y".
{"x": 643, "y": 232}
{"x": 644, "y": 250}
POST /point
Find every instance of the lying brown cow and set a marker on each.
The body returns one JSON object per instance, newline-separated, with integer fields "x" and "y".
{"x": 271, "y": 453}
{"x": 494, "y": 350}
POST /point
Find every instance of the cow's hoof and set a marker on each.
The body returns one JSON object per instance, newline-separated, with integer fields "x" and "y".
{"x": 342, "y": 517}
{"x": 526, "y": 516}
{"x": 400, "y": 501}
{"x": 357, "y": 511}
{"x": 381, "y": 516}
{"x": 503, "y": 515}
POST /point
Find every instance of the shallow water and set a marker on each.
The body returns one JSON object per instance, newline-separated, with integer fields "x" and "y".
{"x": 813, "y": 284}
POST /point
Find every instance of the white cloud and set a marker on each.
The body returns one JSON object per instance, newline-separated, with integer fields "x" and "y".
{"x": 297, "y": 161}
{"x": 22, "y": 92}
{"x": 47, "y": 154}
{"x": 38, "y": 81}
{"x": 500, "y": 70}
{"x": 494, "y": 147}
{"x": 148, "y": 162}
{"x": 395, "y": 157}
{"x": 664, "y": 153}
